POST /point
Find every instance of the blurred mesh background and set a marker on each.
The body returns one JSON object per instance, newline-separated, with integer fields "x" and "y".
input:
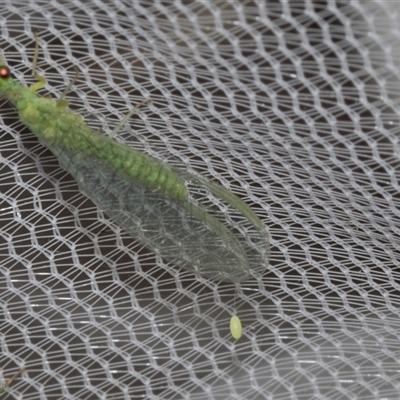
{"x": 294, "y": 107}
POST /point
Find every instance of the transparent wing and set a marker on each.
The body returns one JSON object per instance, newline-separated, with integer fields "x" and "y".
{"x": 209, "y": 231}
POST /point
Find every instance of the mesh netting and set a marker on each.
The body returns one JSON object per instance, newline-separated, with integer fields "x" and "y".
{"x": 294, "y": 108}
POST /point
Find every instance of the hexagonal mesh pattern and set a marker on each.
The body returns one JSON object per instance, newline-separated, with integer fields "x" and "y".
{"x": 292, "y": 106}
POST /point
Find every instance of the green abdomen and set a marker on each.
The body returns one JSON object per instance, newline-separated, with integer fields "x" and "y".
{"x": 61, "y": 131}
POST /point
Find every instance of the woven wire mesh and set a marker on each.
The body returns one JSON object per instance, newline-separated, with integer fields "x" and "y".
{"x": 292, "y": 106}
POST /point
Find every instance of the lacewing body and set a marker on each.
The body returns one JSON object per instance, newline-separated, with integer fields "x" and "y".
{"x": 192, "y": 222}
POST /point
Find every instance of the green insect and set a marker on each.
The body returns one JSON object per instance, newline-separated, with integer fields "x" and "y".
{"x": 236, "y": 327}
{"x": 192, "y": 222}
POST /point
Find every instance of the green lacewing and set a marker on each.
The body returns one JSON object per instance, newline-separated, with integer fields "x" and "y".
{"x": 186, "y": 219}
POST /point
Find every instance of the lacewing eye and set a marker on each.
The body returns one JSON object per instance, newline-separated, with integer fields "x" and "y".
{"x": 4, "y": 72}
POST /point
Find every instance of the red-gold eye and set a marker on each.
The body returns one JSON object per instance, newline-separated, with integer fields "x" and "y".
{"x": 4, "y": 72}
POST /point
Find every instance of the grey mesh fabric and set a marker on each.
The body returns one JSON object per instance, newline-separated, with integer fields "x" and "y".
{"x": 293, "y": 106}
